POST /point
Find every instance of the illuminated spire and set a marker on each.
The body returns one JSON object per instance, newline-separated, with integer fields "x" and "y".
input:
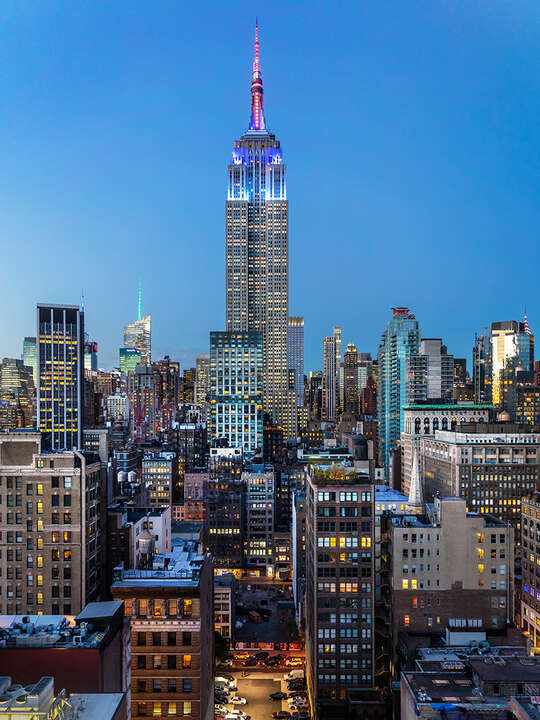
{"x": 526, "y": 323}
{"x": 257, "y": 121}
{"x": 139, "y": 316}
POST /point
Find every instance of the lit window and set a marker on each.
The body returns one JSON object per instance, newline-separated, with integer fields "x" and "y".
{"x": 405, "y": 584}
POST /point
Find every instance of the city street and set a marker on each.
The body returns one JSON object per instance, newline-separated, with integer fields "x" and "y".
{"x": 256, "y": 688}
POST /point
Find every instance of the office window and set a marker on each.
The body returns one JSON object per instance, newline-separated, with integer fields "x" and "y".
{"x": 187, "y": 707}
{"x": 187, "y": 661}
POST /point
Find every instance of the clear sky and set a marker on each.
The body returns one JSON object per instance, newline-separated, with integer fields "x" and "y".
{"x": 409, "y": 128}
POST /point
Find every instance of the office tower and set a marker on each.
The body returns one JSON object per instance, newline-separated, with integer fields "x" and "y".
{"x": 188, "y": 385}
{"x": 188, "y": 440}
{"x": 259, "y": 482}
{"x": 430, "y": 373}
{"x": 315, "y": 394}
{"x": 491, "y": 465}
{"x": 236, "y": 383}
{"x": 339, "y": 375}
{"x": 138, "y": 334}
{"x": 351, "y": 402}
{"x": 118, "y": 407}
{"x": 400, "y": 339}
{"x": 90, "y": 354}
{"x": 529, "y": 609}
{"x": 226, "y": 507}
{"x": 528, "y": 404}
{"x": 202, "y": 380}
{"x": 368, "y": 398}
{"x": 129, "y": 359}
{"x": 339, "y": 602}
{"x": 30, "y": 356}
{"x": 17, "y": 395}
{"x": 60, "y": 368}
{"x": 143, "y": 403}
{"x": 52, "y": 554}
{"x": 296, "y": 356}
{"x": 167, "y": 375}
{"x": 450, "y": 568}
{"x": 425, "y": 420}
{"x": 160, "y": 477}
{"x": 512, "y": 348}
{"x": 481, "y": 367}
{"x": 330, "y": 384}
{"x": 170, "y": 607}
{"x": 365, "y": 369}
{"x": 257, "y": 253}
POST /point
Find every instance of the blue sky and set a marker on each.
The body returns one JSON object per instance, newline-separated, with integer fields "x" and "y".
{"x": 410, "y": 132}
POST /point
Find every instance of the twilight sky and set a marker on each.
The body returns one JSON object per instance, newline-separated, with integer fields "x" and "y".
{"x": 410, "y": 132}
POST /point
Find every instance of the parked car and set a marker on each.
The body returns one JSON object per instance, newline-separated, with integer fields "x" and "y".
{"x": 224, "y": 676}
{"x": 227, "y": 662}
{"x": 250, "y": 662}
{"x": 237, "y": 700}
{"x": 220, "y": 709}
{"x": 278, "y": 696}
{"x": 281, "y": 714}
{"x": 261, "y": 655}
{"x": 243, "y": 655}
{"x": 294, "y": 662}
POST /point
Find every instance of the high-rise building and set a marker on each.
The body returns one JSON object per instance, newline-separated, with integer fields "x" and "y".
{"x": 481, "y": 371}
{"x": 202, "y": 380}
{"x": 226, "y": 507}
{"x": 17, "y": 395}
{"x": 400, "y": 339}
{"x": 167, "y": 374}
{"x": 340, "y": 586}
{"x": 138, "y": 334}
{"x": 351, "y": 400}
{"x": 30, "y": 356}
{"x": 512, "y": 348}
{"x": 160, "y": 477}
{"x": 296, "y": 356}
{"x": 430, "y": 373}
{"x": 129, "y": 359}
{"x": 529, "y": 610}
{"x": 236, "y": 388}
{"x": 259, "y": 482}
{"x": 257, "y": 253}
{"x": 60, "y": 368}
{"x": 51, "y": 556}
{"x": 90, "y": 354}
{"x": 330, "y": 381}
{"x": 143, "y": 402}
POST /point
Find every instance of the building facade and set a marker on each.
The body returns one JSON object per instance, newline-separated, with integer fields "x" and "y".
{"x": 60, "y": 375}
{"x": 529, "y": 610}
{"x": 296, "y": 356}
{"x": 430, "y": 373}
{"x": 52, "y": 547}
{"x": 236, "y": 387}
{"x": 257, "y": 252}
{"x": 400, "y": 339}
{"x": 259, "y": 483}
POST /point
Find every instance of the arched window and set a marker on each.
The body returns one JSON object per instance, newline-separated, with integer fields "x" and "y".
{"x": 426, "y": 426}
{"x": 445, "y": 423}
{"x": 453, "y": 423}
{"x": 417, "y": 426}
{"x": 480, "y": 419}
{"x": 435, "y": 424}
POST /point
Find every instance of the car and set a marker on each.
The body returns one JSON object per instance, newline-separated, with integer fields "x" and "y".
{"x": 281, "y": 714}
{"x": 250, "y": 662}
{"x": 237, "y": 700}
{"x": 261, "y": 655}
{"x": 221, "y": 699}
{"x": 300, "y": 715}
{"x": 220, "y": 709}
{"x": 278, "y": 696}
{"x": 227, "y": 678}
{"x": 241, "y": 655}
{"x": 294, "y": 662}
{"x": 227, "y": 662}
{"x": 237, "y": 715}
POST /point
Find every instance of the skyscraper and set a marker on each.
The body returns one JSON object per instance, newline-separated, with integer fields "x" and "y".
{"x": 138, "y": 334}
{"x": 350, "y": 380}
{"x": 129, "y": 359}
{"x": 202, "y": 380}
{"x": 236, "y": 389}
{"x": 400, "y": 339}
{"x": 512, "y": 348}
{"x": 296, "y": 356}
{"x": 331, "y": 363}
{"x": 30, "y": 356}
{"x": 481, "y": 375}
{"x": 430, "y": 373}
{"x": 17, "y": 395}
{"x": 257, "y": 264}
{"x": 60, "y": 370}
{"x": 90, "y": 355}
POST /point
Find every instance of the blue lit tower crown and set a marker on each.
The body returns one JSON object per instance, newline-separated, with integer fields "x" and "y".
{"x": 257, "y": 266}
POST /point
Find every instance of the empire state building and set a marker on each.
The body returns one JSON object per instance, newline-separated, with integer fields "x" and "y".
{"x": 257, "y": 252}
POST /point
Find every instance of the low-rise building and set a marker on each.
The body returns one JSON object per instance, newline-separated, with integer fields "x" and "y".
{"x": 224, "y": 606}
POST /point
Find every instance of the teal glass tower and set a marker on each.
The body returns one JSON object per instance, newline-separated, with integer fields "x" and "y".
{"x": 400, "y": 339}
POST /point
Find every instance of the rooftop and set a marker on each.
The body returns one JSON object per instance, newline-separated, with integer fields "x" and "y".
{"x": 507, "y": 669}
{"x": 337, "y": 474}
{"x": 181, "y": 567}
{"x": 90, "y": 629}
{"x": 448, "y": 688}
